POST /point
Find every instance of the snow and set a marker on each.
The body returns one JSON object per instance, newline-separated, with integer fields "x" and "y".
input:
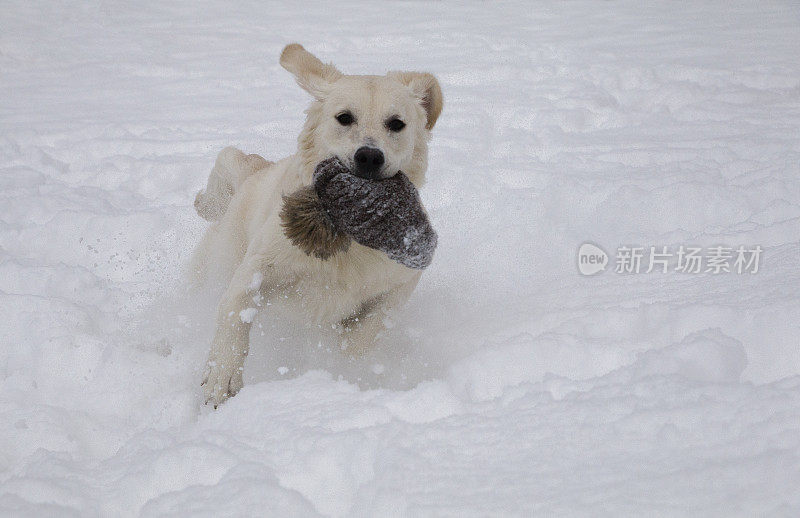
{"x": 248, "y": 315}
{"x": 511, "y": 384}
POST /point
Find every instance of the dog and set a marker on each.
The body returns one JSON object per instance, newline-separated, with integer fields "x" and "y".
{"x": 377, "y": 126}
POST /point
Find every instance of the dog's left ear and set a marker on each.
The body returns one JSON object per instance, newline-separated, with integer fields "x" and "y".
{"x": 427, "y": 89}
{"x": 311, "y": 74}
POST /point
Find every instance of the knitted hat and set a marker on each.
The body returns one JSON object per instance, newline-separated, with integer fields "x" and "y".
{"x": 386, "y": 215}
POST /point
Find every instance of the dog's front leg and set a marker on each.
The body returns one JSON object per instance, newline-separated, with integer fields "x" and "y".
{"x": 237, "y": 309}
{"x": 361, "y": 330}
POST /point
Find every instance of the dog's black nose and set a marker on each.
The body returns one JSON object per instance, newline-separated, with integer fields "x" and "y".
{"x": 369, "y": 161}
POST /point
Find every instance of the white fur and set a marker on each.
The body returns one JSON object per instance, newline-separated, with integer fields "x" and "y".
{"x": 246, "y": 249}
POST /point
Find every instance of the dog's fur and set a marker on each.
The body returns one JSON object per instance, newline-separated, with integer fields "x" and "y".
{"x": 246, "y": 248}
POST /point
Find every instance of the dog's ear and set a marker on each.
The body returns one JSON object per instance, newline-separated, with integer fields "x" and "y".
{"x": 311, "y": 74}
{"x": 427, "y": 89}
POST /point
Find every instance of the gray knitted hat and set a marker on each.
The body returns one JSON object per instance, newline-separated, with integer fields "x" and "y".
{"x": 385, "y": 215}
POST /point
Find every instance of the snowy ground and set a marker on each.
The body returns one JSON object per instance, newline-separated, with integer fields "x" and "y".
{"x": 512, "y": 384}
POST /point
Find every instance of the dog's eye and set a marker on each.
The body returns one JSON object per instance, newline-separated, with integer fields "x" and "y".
{"x": 345, "y": 119}
{"x": 395, "y": 124}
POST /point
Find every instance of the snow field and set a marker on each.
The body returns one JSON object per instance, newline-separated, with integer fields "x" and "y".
{"x": 510, "y": 385}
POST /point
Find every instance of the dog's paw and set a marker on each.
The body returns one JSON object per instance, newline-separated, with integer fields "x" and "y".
{"x": 221, "y": 382}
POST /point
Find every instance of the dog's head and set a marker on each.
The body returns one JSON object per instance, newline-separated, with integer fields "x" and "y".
{"x": 376, "y": 125}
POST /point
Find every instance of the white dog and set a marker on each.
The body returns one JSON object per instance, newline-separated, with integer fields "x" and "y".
{"x": 376, "y": 125}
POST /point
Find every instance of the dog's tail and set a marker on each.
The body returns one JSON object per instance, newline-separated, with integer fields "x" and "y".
{"x": 231, "y": 169}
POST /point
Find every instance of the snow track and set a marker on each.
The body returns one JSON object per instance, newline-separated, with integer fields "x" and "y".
{"x": 511, "y": 385}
